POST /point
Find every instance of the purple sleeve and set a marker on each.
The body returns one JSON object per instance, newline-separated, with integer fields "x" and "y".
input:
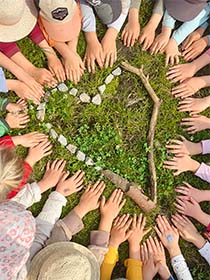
{"x": 203, "y": 172}
{"x": 205, "y": 147}
{"x": 3, "y": 85}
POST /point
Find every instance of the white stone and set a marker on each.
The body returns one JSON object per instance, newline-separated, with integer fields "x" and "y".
{"x": 72, "y": 149}
{"x": 97, "y": 99}
{"x": 98, "y": 168}
{"x": 31, "y": 107}
{"x": 62, "y": 87}
{"x": 108, "y": 79}
{"x": 53, "y": 133}
{"x": 40, "y": 115}
{"x": 47, "y": 96}
{"x": 48, "y": 126}
{"x": 117, "y": 71}
{"x": 89, "y": 161}
{"x": 62, "y": 140}
{"x": 73, "y": 91}
{"x": 41, "y": 106}
{"x": 84, "y": 98}
{"x": 81, "y": 156}
{"x": 102, "y": 88}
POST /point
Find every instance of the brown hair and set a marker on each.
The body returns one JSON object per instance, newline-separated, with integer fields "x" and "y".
{"x": 11, "y": 171}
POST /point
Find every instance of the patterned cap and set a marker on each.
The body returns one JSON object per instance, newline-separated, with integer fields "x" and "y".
{"x": 17, "y": 229}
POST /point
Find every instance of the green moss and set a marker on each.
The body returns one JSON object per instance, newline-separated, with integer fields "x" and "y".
{"x": 115, "y": 135}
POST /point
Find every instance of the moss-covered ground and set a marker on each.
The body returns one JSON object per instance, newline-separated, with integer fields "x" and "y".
{"x": 115, "y": 136}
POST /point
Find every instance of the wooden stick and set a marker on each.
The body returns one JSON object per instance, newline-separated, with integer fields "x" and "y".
{"x": 152, "y": 126}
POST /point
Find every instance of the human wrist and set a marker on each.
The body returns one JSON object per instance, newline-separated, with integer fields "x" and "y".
{"x": 198, "y": 240}
{"x": 11, "y": 84}
{"x": 105, "y": 224}
{"x": 174, "y": 251}
{"x": 133, "y": 16}
{"x": 201, "y": 217}
{"x": 80, "y": 211}
{"x": 111, "y": 34}
{"x": 16, "y": 140}
{"x": 166, "y": 31}
{"x": 205, "y": 81}
{"x": 91, "y": 37}
{"x": 197, "y": 149}
{"x": 43, "y": 185}
{"x": 114, "y": 243}
{"x": 164, "y": 272}
{"x": 194, "y": 166}
{"x": 30, "y": 160}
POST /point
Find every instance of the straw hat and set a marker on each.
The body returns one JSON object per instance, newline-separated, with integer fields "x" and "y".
{"x": 17, "y": 19}
{"x": 64, "y": 261}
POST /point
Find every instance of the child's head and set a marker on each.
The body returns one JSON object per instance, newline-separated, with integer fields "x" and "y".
{"x": 61, "y": 19}
{"x": 11, "y": 171}
{"x": 184, "y": 10}
{"x": 17, "y": 19}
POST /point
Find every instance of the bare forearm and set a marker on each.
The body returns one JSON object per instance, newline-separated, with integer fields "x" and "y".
{"x": 133, "y": 15}
{"x": 154, "y": 21}
{"x": 201, "y": 61}
{"x": 134, "y": 251}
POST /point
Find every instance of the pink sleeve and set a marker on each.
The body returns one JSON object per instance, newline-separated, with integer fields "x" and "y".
{"x": 203, "y": 172}
{"x": 208, "y": 52}
{"x": 205, "y": 147}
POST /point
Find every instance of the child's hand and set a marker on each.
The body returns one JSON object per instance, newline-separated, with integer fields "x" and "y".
{"x": 109, "y": 47}
{"x": 196, "y": 123}
{"x": 188, "y": 231}
{"x": 172, "y": 52}
{"x": 193, "y": 37}
{"x": 156, "y": 248}
{"x": 160, "y": 42}
{"x": 39, "y": 151}
{"x": 179, "y": 73}
{"x": 89, "y": 200}
{"x": 188, "y": 190}
{"x": 94, "y": 52}
{"x": 112, "y": 207}
{"x": 149, "y": 269}
{"x": 52, "y": 175}
{"x": 195, "y": 49}
{"x": 130, "y": 33}
{"x": 168, "y": 235}
{"x": 182, "y": 164}
{"x": 71, "y": 185}
{"x": 74, "y": 67}
{"x": 188, "y": 87}
{"x": 183, "y": 147}
{"x": 194, "y": 105}
{"x": 120, "y": 231}
{"x": 55, "y": 66}
{"x": 21, "y": 105}
{"x": 188, "y": 206}
{"x": 147, "y": 37}
{"x": 30, "y": 139}
{"x": 138, "y": 231}
{"x": 17, "y": 120}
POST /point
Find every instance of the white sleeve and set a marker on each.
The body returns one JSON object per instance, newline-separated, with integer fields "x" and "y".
{"x": 205, "y": 252}
{"x": 180, "y": 268}
{"x": 88, "y": 17}
{"x": 28, "y": 195}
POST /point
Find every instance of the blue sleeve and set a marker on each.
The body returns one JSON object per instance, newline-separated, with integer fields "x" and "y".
{"x": 188, "y": 27}
{"x": 3, "y": 85}
{"x": 171, "y": 278}
{"x": 168, "y": 21}
{"x": 88, "y": 17}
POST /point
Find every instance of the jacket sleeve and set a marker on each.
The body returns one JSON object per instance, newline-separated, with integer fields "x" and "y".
{"x": 134, "y": 269}
{"x": 180, "y": 268}
{"x": 3, "y": 84}
{"x": 108, "y": 264}
{"x": 4, "y": 127}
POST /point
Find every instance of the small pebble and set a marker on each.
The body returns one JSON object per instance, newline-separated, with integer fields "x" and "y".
{"x": 81, "y": 156}
{"x": 98, "y": 168}
{"x": 40, "y": 115}
{"x": 97, "y": 99}
{"x": 62, "y": 140}
{"x": 62, "y": 87}
{"x": 72, "y": 149}
{"x": 48, "y": 126}
{"x": 117, "y": 71}
{"x": 102, "y": 88}
{"x": 41, "y": 106}
{"x": 53, "y": 133}
{"x": 89, "y": 161}
{"x": 31, "y": 107}
{"x": 108, "y": 79}
{"x": 84, "y": 98}
{"x": 73, "y": 91}
{"x": 47, "y": 96}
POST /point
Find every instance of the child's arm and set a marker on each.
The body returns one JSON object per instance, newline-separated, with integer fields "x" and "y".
{"x": 132, "y": 29}
{"x": 109, "y": 262}
{"x": 3, "y": 84}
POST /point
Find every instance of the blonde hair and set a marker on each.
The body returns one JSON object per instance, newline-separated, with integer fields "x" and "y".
{"x": 11, "y": 171}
